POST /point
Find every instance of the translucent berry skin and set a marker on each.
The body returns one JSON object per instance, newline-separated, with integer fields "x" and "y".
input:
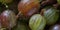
{"x": 51, "y": 14}
{"x": 28, "y": 7}
{"x": 8, "y": 19}
{"x": 37, "y": 22}
{"x": 55, "y": 27}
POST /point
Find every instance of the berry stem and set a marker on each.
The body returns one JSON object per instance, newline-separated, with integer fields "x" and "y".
{"x": 18, "y": 15}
